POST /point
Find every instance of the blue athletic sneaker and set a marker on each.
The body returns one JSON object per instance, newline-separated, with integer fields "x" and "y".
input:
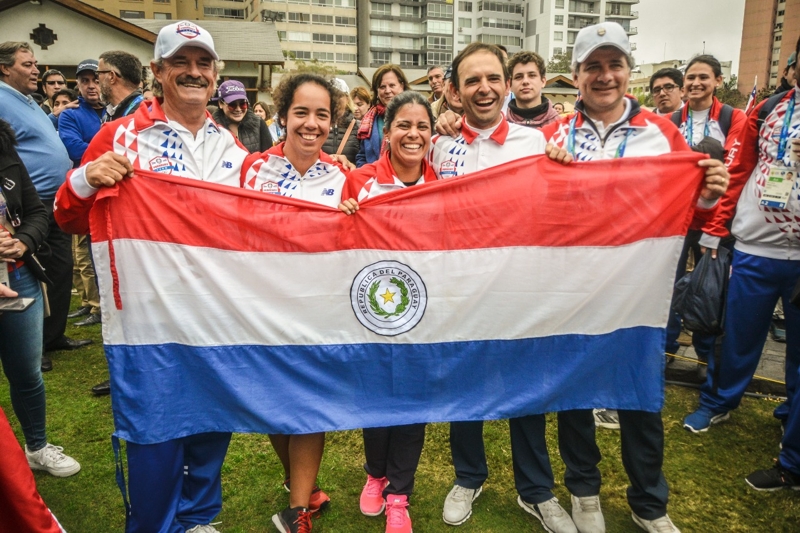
{"x": 702, "y": 419}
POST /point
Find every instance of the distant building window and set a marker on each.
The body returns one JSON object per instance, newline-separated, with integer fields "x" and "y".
{"x": 464, "y": 23}
{"x": 346, "y": 58}
{"x": 440, "y": 26}
{"x": 440, "y": 43}
{"x": 380, "y": 9}
{"x": 346, "y": 39}
{"x": 323, "y": 56}
{"x": 322, "y": 19}
{"x": 299, "y": 17}
{"x": 324, "y": 38}
{"x": 222, "y": 12}
{"x": 781, "y": 12}
{"x": 560, "y": 4}
{"x": 322, "y": 2}
{"x": 465, "y": 6}
{"x": 559, "y": 20}
{"x": 558, "y": 35}
{"x": 440, "y": 10}
{"x": 558, "y": 51}
{"x": 504, "y": 24}
{"x": 464, "y": 39}
{"x": 505, "y": 40}
{"x": 299, "y": 36}
{"x": 300, "y": 54}
{"x": 381, "y": 57}
{"x": 345, "y": 21}
{"x": 162, "y": 16}
{"x": 161, "y": 1}
{"x": 380, "y": 41}
{"x": 409, "y": 60}
{"x": 125, "y": 14}
{"x": 439, "y": 58}
{"x": 380, "y": 25}
{"x": 345, "y": 3}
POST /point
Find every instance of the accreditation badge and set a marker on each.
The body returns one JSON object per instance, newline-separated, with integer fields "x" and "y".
{"x": 779, "y": 185}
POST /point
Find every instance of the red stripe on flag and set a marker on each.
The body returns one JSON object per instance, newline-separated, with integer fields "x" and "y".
{"x": 529, "y": 202}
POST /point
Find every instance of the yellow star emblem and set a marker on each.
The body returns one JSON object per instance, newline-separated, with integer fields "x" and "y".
{"x": 387, "y": 296}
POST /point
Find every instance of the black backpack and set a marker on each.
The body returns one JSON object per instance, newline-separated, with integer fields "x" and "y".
{"x": 725, "y": 115}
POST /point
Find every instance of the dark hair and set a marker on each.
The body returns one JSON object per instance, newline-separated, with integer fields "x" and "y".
{"x": 404, "y": 99}
{"x": 430, "y": 68}
{"x": 709, "y": 60}
{"x": 284, "y": 93}
{"x": 69, "y": 93}
{"x": 128, "y": 65}
{"x": 473, "y": 48}
{"x": 52, "y": 72}
{"x": 503, "y": 48}
{"x": 523, "y": 57}
{"x": 671, "y": 73}
{"x": 380, "y": 73}
{"x": 263, "y": 106}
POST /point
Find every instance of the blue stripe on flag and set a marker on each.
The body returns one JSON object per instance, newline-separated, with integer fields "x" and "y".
{"x": 302, "y": 389}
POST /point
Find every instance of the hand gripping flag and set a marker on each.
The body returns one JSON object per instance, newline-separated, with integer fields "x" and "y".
{"x": 527, "y": 288}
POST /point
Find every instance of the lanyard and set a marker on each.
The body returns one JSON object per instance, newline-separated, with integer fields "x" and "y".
{"x": 571, "y": 140}
{"x": 787, "y": 120}
{"x": 690, "y": 128}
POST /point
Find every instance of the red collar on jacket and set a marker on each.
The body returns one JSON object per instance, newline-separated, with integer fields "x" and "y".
{"x": 499, "y": 135}
{"x": 385, "y": 174}
{"x": 713, "y": 114}
{"x": 151, "y": 112}
{"x": 278, "y": 151}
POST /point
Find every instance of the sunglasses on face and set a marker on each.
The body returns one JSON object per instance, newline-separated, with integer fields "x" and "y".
{"x": 238, "y": 104}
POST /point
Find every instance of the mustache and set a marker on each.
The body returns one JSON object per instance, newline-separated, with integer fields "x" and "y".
{"x": 193, "y": 81}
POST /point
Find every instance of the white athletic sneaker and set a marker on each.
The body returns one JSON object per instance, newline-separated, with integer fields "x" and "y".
{"x": 587, "y": 514}
{"x": 659, "y": 525}
{"x": 458, "y": 504}
{"x": 606, "y": 418}
{"x": 550, "y": 513}
{"x": 53, "y": 460}
{"x": 205, "y": 528}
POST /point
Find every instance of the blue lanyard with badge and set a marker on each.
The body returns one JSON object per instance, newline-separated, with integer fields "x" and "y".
{"x": 781, "y": 178}
{"x": 689, "y": 135}
{"x": 571, "y": 140}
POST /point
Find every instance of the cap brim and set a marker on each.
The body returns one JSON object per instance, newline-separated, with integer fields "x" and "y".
{"x": 191, "y": 43}
{"x": 590, "y": 51}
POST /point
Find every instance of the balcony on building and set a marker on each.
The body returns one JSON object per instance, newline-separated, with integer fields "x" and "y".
{"x": 626, "y": 25}
{"x": 577, "y": 23}
{"x": 585, "y": 7}
{"x": 616, "y": 9}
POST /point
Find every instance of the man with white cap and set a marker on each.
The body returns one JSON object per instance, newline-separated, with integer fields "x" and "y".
{"x": 606, "y": 125}
{"x": 174, "y": 486}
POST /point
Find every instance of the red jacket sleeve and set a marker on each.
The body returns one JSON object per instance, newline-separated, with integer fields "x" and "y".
{"x": 741, "y": 158}
{"x": 71, "y": 211}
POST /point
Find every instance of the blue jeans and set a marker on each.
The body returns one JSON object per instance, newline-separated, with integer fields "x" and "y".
{"x": 21, "y": 355}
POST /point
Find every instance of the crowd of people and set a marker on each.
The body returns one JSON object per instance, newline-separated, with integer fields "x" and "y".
{"x": 322, "y": 142}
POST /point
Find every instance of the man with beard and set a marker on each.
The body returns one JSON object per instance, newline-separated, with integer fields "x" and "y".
{"x": 120, "y": 75}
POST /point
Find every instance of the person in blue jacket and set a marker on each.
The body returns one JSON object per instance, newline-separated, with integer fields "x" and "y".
{"x": 77, "y": 127}
{"x": 387, "y": 82}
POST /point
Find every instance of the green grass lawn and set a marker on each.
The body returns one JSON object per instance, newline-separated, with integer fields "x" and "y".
{"x": 706, "y": 473}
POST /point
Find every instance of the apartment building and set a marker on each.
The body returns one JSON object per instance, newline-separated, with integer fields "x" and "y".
{"x": 769, "y": 36}
{"x": 138, "y": 9}
{"x": 552, "y": 25}
{"x": 490, "y": 21}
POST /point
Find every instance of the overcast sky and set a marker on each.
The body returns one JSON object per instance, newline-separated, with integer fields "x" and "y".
{"x": 683, "y": 25}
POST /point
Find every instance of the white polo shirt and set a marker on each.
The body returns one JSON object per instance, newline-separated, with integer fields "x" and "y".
{"x": 476, "y": 149}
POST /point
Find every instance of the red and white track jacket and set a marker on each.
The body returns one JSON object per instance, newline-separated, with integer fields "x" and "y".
{"x": 272, "y": 173}
{"x": 379, "y": 178}
{"x": 763, "y": 231}
{"x": 151, "y": 142}
{"x": 643, "y": 133}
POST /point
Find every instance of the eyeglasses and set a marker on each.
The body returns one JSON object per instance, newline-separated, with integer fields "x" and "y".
{"x": 106, "y": 72}
{"x": 238, "y": 103}
{"x": 53, "y": 82}
{"x": 668, "y": 88}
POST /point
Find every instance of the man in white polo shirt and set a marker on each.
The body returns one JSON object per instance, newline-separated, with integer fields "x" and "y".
{"x": 486, "y": 139}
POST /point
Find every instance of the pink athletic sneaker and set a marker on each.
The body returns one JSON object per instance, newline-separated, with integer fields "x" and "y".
{"x": 372, "y": 502}
{"x": 397, "y": 518}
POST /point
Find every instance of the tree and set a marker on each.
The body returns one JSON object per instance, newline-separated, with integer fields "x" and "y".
{"x": 728, "y": 93}
{"x": 560, "y": 63}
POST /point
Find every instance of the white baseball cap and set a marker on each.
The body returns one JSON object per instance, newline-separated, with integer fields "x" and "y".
{"x": 175, "y": 36}
{"x": 593, "y": 37}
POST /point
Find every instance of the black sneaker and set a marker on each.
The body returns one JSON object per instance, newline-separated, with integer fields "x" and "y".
{"x": 776, "y": 478}
{"x": 293, "y": 520}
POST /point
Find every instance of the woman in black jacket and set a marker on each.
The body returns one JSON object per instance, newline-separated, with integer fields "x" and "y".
{"x": 339, "y": 129}
{"x": 23, "y": 227}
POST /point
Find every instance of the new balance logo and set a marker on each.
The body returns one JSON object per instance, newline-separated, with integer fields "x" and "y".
{"x": 328, "y": 192}
{"x": 227, "y": 164}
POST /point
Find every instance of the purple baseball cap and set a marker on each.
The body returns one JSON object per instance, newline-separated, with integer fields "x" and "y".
{"x": 231, "y": 91}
